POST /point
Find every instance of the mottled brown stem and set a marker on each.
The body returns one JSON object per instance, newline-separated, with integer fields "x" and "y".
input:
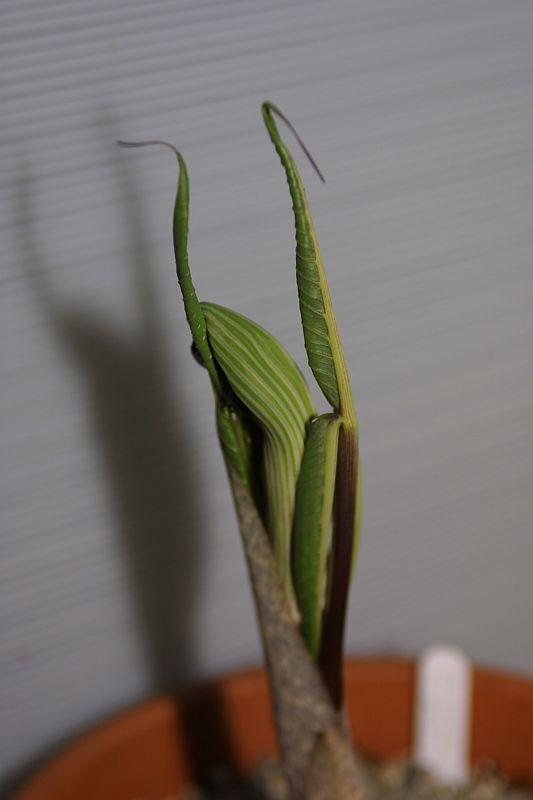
{"x": 317, "y": 755}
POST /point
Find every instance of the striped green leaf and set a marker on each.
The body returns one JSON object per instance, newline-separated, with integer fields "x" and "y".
{"x": 321, "y": 334}
{"x": 267, "y": 381}
{"x": 193, "y": 310}
{"x": 326, "y": 359}
{"x": 312, "y": 524}
{"x": 180, "y": 231}
{"x": 233, "y": 427}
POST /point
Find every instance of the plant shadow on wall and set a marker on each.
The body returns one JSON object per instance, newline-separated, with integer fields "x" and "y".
{"x": 147, "y": 457}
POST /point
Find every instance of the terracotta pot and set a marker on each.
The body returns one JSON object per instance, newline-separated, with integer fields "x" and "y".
{"x": 156, "y": 748}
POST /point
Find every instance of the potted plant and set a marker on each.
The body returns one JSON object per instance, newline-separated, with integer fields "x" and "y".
{"x": 296, "y": 482}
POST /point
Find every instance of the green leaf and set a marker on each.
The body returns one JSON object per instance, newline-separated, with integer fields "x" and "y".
{"x": 193, "y": 310}
{"x": 326, "y": 359}
{"x": 321, "y": 334}
{"x": 269, "y": 384}
{"x": 180, "y": 232}
{"x": 313, "y": 508}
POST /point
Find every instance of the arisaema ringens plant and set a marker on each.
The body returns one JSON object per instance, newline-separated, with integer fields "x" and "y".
{"x": 295, "y": 469}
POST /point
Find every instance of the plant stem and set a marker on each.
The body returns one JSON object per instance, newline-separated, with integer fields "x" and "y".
{"x": 317, "y": 755}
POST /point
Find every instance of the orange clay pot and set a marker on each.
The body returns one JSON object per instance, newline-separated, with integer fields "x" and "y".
{"x": 155, "y": 749}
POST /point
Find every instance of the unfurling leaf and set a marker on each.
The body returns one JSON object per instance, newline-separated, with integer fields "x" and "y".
{"x": 312, "y": 523}
{"x": 269, "y": 384}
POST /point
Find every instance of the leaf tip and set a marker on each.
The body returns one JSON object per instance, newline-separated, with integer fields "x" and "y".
{"x": 268, "y": 108}
{"x": 150, "y": 143}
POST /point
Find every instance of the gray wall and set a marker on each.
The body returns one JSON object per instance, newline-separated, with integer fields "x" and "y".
{"x": 121, "y": 570}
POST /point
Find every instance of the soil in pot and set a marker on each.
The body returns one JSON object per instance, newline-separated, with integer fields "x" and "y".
{"x": 392, "y": 780}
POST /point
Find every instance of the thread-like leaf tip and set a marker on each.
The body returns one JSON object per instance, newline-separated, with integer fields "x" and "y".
{"x": 269, "y": 108}
{"x": 149, "y": 143}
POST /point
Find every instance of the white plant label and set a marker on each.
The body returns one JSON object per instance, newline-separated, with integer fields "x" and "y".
{"x": 442, "y": 714}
